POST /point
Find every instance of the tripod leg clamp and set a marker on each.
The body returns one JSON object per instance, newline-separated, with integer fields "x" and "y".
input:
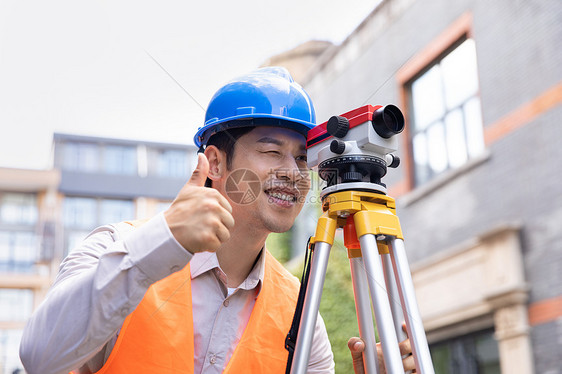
{"x": 325, "y": 230}
{"x": 379, "y": 221}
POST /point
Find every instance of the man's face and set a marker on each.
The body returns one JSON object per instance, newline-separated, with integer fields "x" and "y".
{"x": 269, "y": 163}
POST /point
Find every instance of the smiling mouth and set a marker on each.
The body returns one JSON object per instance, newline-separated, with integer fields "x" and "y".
{"x": 282, "y": 196}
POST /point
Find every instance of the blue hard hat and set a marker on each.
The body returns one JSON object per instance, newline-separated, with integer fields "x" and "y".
{"x": 267, "y": 96}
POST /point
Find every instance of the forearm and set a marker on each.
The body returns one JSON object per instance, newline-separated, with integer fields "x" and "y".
{"x": 97, "y": 287}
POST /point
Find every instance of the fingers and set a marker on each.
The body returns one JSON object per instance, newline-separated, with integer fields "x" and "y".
{"x": 405, "y": 347}
{"x": 356, "y": 347}
{"x": 199, "y": 175}
{"x": 406, "y": 350}
{"x": 224, "y": 202}
{"x": 409, "y": 363}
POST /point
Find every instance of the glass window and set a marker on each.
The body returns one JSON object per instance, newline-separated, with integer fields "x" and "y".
{"x": 73, "y": 239}
{"x": 471, "y": 354}
{"x": 83, "y": 214}
{"x": 9, "y": 351}
{"x": 113, "y": 211}
{"x": 18, "y": 251}
{"x": 447, "y": 121}
{"x": 18, "y": 208}
{"x": 120, "y": 160}
{"x": 81, "y": 157}
{"x": 15, "y": 304}
{"x": 80, "y": 212}
{"x": 172, "y": 163}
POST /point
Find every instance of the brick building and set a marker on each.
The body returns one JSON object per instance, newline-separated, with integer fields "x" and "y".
{"x": 479, "y": 191}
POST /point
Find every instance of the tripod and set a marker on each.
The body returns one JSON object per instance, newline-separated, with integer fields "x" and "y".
{"x": 374, "y": 240}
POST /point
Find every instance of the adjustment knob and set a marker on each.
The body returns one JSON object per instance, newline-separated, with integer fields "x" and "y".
{"x": 352, "y": 176}
{"x": 337, "y": 146}
{"x": 394, "y": 161}
{"x": 338, "y": 126}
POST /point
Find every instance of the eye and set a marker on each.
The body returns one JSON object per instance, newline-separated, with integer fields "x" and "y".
{"x": 273, "y": 153}
{"x": 301, "y": 158}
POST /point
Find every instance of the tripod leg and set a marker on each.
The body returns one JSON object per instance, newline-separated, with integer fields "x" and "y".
{"x": 310, "y": 308}
{"x": 393, "y": 296}
{"x": 414, "y": 325}
{"x": 364, "y": 316}
{"x": 383, "y": 316}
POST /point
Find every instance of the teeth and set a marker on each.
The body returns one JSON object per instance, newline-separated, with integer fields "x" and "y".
{"x": 281, "y": 196}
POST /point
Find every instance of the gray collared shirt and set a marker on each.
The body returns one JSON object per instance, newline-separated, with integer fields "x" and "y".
{"x": 105, "y": 278}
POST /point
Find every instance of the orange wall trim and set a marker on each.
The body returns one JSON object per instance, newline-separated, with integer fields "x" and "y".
{"x": 545, "y": 311}
{"x": 523, "y": 115}
{"x": 455, "y": 31}
{"x": 461, "y": 26}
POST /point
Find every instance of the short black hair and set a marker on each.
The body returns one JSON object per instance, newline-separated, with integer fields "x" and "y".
{"x": 225, "y": 141}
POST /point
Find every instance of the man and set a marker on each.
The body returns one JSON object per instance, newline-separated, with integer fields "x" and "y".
{"x": 194, "y": 289}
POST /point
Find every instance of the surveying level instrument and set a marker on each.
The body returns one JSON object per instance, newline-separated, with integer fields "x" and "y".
{"x": 352, "y": 153}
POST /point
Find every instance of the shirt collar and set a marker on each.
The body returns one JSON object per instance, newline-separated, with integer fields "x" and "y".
{"x": 203, "y": 262}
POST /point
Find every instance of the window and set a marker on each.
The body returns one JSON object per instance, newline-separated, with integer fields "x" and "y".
{"x": 113, "y": 211}
{"x": 83, "y": 214}
{"x": 471, "y": 354}
{"x": 73, "y": 239}
{"x": 18, "y": 208}
{"x": 172, "y": 163}
{"x": 446, "y": 121}
{"x": 18, "y": 251}
{"x": 9, "y": 351}
{"x": 80, "y": 212}
{"x": 81, "y": 157}
{"x": 120, "y": 160}
{"x": 15, "y": 304}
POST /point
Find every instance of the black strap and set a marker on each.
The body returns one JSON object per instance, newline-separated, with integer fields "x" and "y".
{"x": 291, "y": 339}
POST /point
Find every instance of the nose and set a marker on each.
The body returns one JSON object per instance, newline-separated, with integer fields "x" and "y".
{"x": 290, "y": 171}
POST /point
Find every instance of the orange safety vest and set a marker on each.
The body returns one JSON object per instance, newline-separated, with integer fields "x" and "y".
{"x": 157, "y": 337}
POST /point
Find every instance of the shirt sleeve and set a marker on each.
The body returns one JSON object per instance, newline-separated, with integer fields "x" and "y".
{"x": 321, "y": 357}
{"x": 98, "y": 285}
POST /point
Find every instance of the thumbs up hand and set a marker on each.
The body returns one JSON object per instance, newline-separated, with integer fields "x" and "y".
{"x": 200, "y": 218}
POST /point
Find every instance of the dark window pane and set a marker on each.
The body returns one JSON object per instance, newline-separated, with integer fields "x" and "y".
{"x": 441, "y": 356}
{"x": 469, "y": 354}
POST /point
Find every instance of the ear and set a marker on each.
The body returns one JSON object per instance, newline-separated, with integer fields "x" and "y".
{"x": 217, "y": 162}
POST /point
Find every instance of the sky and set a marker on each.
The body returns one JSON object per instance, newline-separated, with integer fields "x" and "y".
{"x": 97, "y": 68}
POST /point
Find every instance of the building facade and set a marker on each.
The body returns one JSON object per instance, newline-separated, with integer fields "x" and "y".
{"x": 45, "y": 214}
{"x": 479, "y": 190}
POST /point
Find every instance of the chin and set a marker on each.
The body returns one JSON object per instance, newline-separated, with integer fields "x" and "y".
{"x": 278, "y": 227}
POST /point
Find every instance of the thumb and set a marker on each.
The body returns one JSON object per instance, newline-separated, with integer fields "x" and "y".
{"x": 200, "y": 173}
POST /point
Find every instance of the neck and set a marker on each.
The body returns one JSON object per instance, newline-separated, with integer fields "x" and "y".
{"x": 238, "y": 255}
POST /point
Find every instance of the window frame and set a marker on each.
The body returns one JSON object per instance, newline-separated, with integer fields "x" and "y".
{"x": 440, "y": 122}
{"x": 439, "y": 46}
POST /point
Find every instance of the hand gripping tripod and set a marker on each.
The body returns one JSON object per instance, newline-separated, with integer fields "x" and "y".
{"x": 355, "y": 200}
